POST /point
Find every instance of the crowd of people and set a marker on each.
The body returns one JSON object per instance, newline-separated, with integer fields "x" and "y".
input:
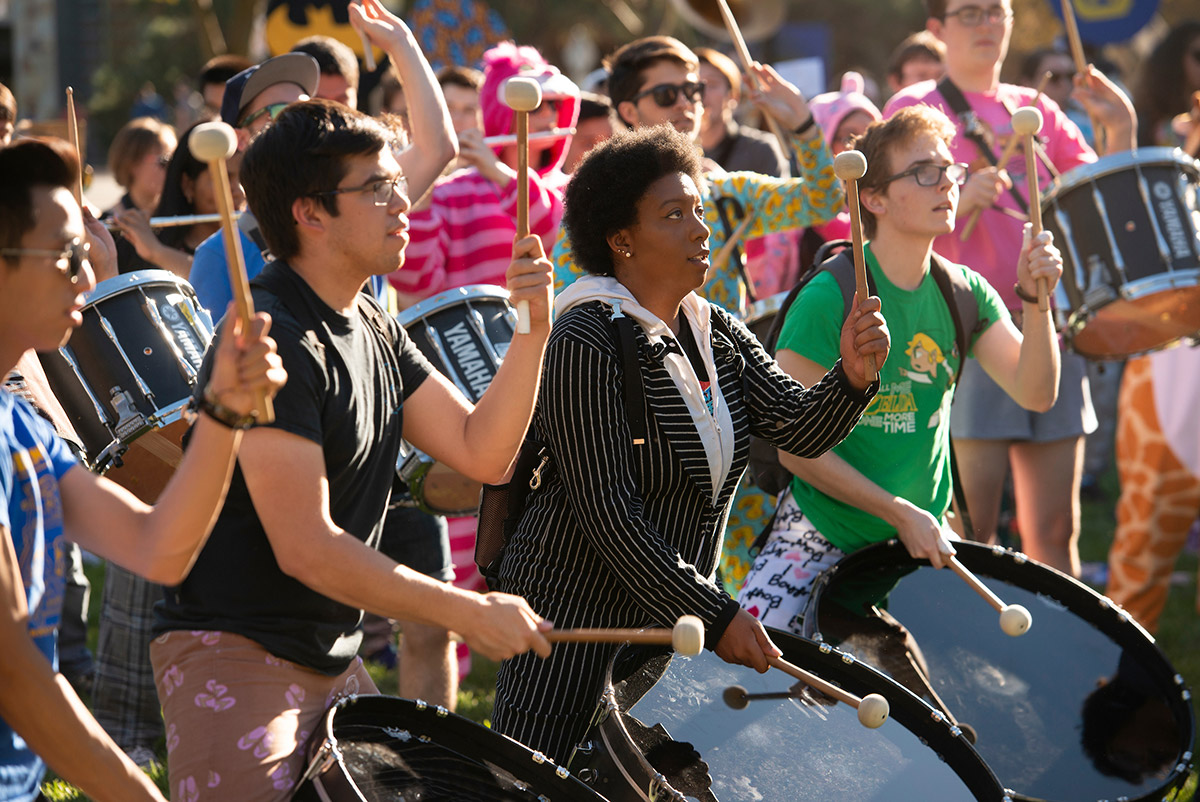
{"x": 244, "y": 593}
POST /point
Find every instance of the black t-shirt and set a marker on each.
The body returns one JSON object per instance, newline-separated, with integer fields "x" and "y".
{"x": 347, "y": 381}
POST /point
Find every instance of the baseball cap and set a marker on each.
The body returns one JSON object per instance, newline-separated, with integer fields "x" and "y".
{"x": 290, "y": 68}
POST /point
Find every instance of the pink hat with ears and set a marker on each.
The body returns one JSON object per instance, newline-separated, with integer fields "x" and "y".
{"x": 830, "y": 108}
{"x": 503, "y": 62}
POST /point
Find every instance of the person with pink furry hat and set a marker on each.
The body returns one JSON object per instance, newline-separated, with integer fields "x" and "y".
{"x": 463, "y": 234}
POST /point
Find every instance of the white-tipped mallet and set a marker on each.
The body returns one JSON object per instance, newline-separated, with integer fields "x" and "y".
{"x": 1015, "y": 620}
{"x": 1027, "y": 123}
{"x": 849, "y": 166}
{"x": 522, "y": 95}
{"x": 872, "y": 709}
{"x": 213, "y": 143}
{"x": 686, "y": 637}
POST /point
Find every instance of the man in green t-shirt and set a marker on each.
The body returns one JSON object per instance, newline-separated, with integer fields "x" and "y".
{"x": 891, "y": 476}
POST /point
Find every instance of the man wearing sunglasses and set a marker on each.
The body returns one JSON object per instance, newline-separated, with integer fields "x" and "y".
{"x": 655, "y": 81}
{"x": 49, "y": 498}
{"x": 849, "y": 497}
{"x": 992, "y": 434}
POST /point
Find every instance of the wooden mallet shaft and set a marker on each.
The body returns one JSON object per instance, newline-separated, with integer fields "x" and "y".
{"x": 213, "y": 143}
{"x": 972, "y": 580}
{"x": 1073, "y": 38}
{"x": 522, "y": 95}
{"x": 368, "y": 49}
{"x": 1027, "y": 122}
{"x": 739, "y": 43}
{"x": 849, "y": 166}
{"x": 872, "y": 709}
{"x": 73, "y": 135}
{"x": 1010, "y": 148}
{"x": 686, "y": 637}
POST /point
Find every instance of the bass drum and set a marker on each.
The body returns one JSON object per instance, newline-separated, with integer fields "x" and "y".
{"x": 1128, "y": 227}
{"x": 1082, "y": 707}
{"x": 792, "y": 743}
{"x": 383, "y": 749}
{"x": 465, "y": 333}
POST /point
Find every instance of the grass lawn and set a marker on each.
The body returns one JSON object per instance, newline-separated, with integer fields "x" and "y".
{"x": 1178, "y": 637}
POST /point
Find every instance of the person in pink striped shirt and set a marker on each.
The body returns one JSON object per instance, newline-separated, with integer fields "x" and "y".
{"x": 464, "y": 233}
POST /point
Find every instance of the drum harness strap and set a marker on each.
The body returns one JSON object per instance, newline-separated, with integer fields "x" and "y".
{"x": 974, "y": 130}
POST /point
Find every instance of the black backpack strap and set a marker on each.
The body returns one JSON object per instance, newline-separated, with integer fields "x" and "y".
{"x": 842, "y": 268}
{"x": 964, "y": 309}
{"x": 973, "y": 130}
{"x": 635, "y": 392}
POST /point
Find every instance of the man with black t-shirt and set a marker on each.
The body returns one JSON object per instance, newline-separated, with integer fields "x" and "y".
{"x": 262, "y": 635}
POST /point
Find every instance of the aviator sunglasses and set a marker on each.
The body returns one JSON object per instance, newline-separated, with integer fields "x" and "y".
{"x": 665, "y": 95}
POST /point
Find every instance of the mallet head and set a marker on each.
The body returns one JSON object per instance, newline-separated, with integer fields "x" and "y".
{"x": 1015, "y": 620}
{"x": 687, "y": 636}
{"x": 735, "y": 696}
{"x": 850, "y": 165}
{"x": 873, "y": 710}
{"x": 212, "y": 141}
{"x": 1026, "y": 121}
{"x": 522, "y": 94}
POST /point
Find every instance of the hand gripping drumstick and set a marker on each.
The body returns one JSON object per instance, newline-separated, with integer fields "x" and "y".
{"x": 1026, "y": 123}
{"x": 213, "y": 143}
{"x": 872, "y": 709}
{"x": 686, "y": 637}
{"x": 739, "y": 43}
{"x": 1010, "y": 148}
{"x": 1015, "y": 620}
{"x": 849, "y": 166}
{"x": 522, "y": 95}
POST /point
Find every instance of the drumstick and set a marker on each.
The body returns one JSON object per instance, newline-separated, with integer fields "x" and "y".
{"x": 368, "y": 50}
{"x": 213, "y": 143}
{"x": 849, "y": 166}
{"x": 73, "y": 135}
{"x": 1010, "y": 148}
{"x": 504, "y": 140}
{"x": 872, "y": 709}
{"x": 180, "y": 220}
{"x": 686, "y": 637}
{"x": 1072, "y": 26}
{"x": 1015, "y": 620}
{"x": 739, "y": 43}
{"x": 1027, "y": 122}
{"x": 522, "y": 95}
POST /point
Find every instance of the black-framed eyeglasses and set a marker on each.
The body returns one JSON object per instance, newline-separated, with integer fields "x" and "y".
{"x": 665, "y": 95}
{"x": 382, "y": 190}
{"x": 273, "y": 110}
{"x": 974, "y": 16}
{"x": 69, "y": 261}
{"x": 928, "y": 174}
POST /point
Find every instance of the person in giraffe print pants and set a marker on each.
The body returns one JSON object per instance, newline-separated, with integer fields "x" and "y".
{"x": 1158, "y": 461}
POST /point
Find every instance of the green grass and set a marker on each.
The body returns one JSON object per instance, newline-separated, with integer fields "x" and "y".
{"x": 1178, "y": 637}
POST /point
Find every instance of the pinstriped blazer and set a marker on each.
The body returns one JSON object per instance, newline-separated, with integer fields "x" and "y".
{"x": 628, "y": 536}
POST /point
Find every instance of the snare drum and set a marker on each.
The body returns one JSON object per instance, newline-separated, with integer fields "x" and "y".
{"x": 761, "y": 315}
{"x": 1128, "y": 227}
{"x": 1082, "y": 707}
{"x": 465, "y": 333}
{"x": 128, "y": 372}
{"x": 378, "y": 748}
{"x": 664, "y": 731}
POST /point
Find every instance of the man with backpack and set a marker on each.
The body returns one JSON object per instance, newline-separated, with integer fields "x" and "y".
{"x": 891, "y": 477}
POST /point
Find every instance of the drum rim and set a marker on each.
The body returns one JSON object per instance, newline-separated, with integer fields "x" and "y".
{"x": 1099, "y": 611}
{"x": 127, "y": 281}
{"x": 434, "y": 303}
{"x": 843, "y": 669}
{"x": 1115, "y": 163}
{"x": 545, "y": 769}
